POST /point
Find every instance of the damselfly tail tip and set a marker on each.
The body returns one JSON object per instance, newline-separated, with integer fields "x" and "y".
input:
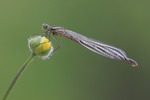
{"x": 132, "y": 62}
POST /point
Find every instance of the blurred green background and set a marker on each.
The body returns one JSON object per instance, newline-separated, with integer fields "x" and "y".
{"x": 73, "y": 72}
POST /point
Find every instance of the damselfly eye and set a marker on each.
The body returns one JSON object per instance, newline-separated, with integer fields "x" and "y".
{"x": 45, "y": 26}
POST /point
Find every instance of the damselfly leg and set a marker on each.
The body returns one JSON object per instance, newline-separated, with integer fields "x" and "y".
{"x": 57, "y": 42}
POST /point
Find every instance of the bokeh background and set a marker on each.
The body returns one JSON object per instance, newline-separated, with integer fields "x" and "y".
{"x": 73, "y": 72}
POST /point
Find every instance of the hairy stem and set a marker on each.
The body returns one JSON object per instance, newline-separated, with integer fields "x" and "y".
{"x": 12, "y": 84}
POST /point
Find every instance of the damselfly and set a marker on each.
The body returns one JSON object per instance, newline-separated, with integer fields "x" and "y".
{"x": 91, "y": 44}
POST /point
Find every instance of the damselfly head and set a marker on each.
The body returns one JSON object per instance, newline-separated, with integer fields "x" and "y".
{"x": 46, "y": 26}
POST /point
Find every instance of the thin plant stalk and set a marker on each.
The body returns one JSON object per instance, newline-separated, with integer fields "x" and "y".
{"x": 12, "y": 84}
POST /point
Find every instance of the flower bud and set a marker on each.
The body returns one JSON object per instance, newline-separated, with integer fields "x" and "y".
{"x": 41, "y": 46}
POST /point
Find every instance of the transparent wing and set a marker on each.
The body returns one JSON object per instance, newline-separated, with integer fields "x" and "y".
{"x": 100, "y": 48}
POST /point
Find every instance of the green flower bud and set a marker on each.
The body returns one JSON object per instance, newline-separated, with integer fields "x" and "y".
{"x": 41, "y": 46}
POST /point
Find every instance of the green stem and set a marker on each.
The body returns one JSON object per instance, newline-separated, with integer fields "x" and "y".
{"x": 12, "y": 84}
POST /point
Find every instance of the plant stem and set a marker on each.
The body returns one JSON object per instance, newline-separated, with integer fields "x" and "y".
{"x": 12, "y": 84}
